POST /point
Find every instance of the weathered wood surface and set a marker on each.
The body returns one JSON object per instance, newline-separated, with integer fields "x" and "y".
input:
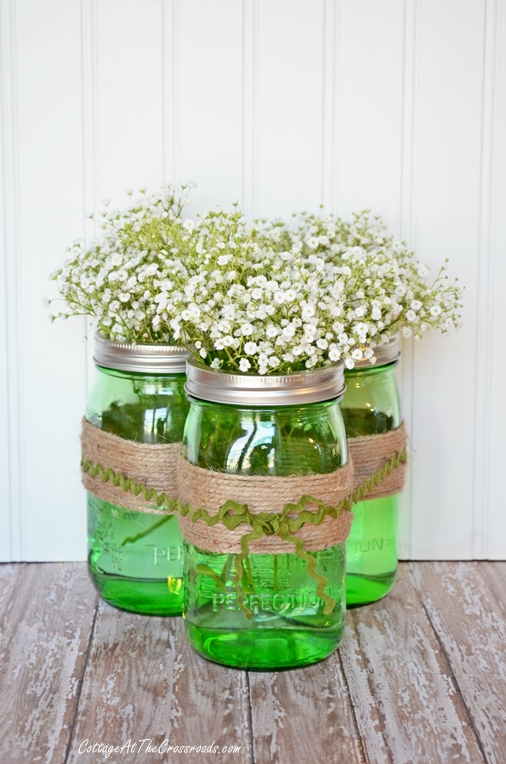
{"x": 420, "y": 677}
{"x": 407, "y": 703}
{"x": 145, "y": 683}
{"x": 46, "y": 614}
{"x": 471, "y": 629}
{"x": 304, "y": 716}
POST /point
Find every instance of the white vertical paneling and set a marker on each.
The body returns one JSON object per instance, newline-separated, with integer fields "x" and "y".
{"x": 484, "y": 284}
{"x": 290, "y": 105}
{"x": 170, "y": 89}
{"x": 448, "y": 173}
{"x": 130, "y": 96}
{"x": 90, "y": 144}
{"x": 407, "y": 230}
{"x": 331, "y": 92}
{"x": 370, "y": 107}
{"x": 250, "y": 53}
{"x": 283, "y": 104}
{"x": 11, "y": 507}
{"x": 210, "y": 103}
{"x": 52, "y": 365}
{"x": 495, "y": 521}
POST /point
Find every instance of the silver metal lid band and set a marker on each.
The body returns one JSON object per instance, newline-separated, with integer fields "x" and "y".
{"x": 144, "y": 359}
{"x": 254, "y": 390}
{"x": 387, "y": 353}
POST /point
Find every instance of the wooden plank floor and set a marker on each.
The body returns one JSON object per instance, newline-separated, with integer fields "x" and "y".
{"x": 419, "y": 678}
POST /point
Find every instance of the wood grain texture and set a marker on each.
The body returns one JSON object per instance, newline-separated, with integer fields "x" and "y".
{"x": 46, "y": 614}
{"x": 471, "y": 628}
{"x": 419, "y": 679}
{"x": 494, "y": 574}
{"x": 304, "y": 715}
{"x": 408, "y": 709}
{"x": 145, "y": 682}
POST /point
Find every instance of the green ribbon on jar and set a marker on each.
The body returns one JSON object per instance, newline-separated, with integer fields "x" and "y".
{"x": 297, "y": 524}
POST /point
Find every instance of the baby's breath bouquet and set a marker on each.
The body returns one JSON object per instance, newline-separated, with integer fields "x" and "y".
{"x": 123, "y": 280}
{"x": 386, "y": 287}
{"x": 264, "y": 298}
{"x": 249, "y": 308}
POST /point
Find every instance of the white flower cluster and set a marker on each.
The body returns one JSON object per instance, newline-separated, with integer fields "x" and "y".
{"x": 267, "y": 298}
{"x": 252, "y": 309}
{"x": 124, "y": 281}
{"x": 386, "y": 286}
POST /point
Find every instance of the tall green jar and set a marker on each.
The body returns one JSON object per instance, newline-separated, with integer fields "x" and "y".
{"x": 269, "y": 427}
{"x": 371, "y": 406}
{"x": 135, "y": 557}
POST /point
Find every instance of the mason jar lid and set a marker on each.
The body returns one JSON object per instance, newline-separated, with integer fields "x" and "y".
{"x": 387, "y": 353}
{"x": 145, "y": 359}
{"x": 302, "y": 387}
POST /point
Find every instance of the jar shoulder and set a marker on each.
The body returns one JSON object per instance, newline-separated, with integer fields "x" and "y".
{"x": 278, "y": 441}
{"x": 371, "y": 403}
{"x": 141, "y": 408}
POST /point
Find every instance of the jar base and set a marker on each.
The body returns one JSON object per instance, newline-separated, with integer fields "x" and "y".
{"x": 145, "y": 597}
{"x": 363, "y": 590}
{"x": 263, "y": 650}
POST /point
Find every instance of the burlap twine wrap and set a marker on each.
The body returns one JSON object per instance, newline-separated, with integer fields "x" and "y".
{"x": 264, "y": 496}
{"x": 154, "y": 465}
{"x": 311, "y": 512}
{"x": 370, "y": 453}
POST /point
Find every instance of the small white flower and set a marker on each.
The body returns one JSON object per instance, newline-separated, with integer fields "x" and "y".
{"x": 247, "y": 329}
{"x": 308, "y": 312}
{"x": 244, "y": 365}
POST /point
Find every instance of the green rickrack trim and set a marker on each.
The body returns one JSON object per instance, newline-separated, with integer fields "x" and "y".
{"x": 232, "y": 514}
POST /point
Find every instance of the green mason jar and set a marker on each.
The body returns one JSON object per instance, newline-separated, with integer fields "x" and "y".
{"x": 270, "y": 431}
{"x": 371, "y": 406}
{"x": 135, "y": 555}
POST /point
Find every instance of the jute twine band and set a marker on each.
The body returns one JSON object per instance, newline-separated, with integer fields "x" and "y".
{"x": 268, "y": 501}
{"x": 370, "y": 453}
{"x": 128, "y": 463}
{"x": 286, "y": 508}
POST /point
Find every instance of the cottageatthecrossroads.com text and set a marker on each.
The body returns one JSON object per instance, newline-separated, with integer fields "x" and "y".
{"x": 148, "y": 746}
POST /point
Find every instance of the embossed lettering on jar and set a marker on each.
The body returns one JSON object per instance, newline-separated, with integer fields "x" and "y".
{"x": 371, "y": 407}
{"x": 135, "y": 552}
{"x": 263, "y": 429}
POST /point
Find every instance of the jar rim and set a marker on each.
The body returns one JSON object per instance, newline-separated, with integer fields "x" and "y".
{"x": 387, "y": 353}
{"x": 217, "y": 386}
{"x": 138, "y": 357}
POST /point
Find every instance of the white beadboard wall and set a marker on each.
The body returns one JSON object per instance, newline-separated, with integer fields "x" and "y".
{"x": 397, "y": 105}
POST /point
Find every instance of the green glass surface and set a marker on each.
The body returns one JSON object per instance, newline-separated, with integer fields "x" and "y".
{"x": 135, "y": 558}
{"x": 371, "y": 406}
{"x": 288, "y": 627}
